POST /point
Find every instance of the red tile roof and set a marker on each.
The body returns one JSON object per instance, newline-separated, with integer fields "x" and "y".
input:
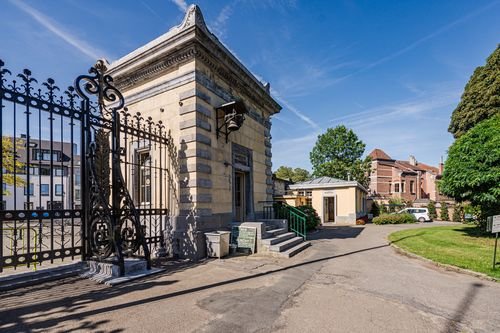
{"x": 379, "y": 154}
{"x": 406, "y": 166}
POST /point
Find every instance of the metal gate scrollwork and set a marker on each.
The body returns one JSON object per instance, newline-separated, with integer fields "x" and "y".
{"x": 82, "y": 177}
{"x": 114, "y": 229}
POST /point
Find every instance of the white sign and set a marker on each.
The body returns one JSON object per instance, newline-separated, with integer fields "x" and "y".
{"x": 495, "y": 227}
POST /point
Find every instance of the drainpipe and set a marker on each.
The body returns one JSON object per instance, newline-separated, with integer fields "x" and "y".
{"x": 418, "y": 190}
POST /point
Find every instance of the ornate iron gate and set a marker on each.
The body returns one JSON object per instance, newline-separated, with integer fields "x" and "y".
{"x": 81, "y": 176}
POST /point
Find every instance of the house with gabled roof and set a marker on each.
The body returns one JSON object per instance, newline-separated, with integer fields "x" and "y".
{"x": 335, "y": 200}
{"x": 409, "y": 180}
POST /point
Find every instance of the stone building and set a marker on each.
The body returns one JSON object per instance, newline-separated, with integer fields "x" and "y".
{"x": 219, "y": 115}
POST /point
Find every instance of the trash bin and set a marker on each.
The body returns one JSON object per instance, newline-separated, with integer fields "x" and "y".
{"x": 217, "y": 243}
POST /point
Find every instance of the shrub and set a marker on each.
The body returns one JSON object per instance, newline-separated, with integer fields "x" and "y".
{"x": 444, "y": 212}
{"x": 375, "y": 211}
{"x": 313, "y": 219}
{"x": 383, "y": 209}
{"x": 432, "y": 210}
{"x": 395, "y": 204}
{"x": 394, "y": 219}
{"x": 457, "y": 213}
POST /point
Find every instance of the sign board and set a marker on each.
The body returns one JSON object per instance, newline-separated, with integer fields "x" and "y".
{"x": 495, "y": 226}
{"x": 244, "y": 238}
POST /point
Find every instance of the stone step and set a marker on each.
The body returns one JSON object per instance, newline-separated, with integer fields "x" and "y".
{"x": 270, "y": 227}
{"x": 26, "y": 279}
{"x": 275, "y": 232}
{"x": 278, "y": 239}
{"x": 280, "y": 247}
{"x": 294, "y": 250}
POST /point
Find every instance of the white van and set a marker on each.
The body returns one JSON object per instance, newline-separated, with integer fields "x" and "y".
{"x": 421, "y": 214}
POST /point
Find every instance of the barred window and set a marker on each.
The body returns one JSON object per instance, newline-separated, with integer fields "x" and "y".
{"x": 144, "y": 178}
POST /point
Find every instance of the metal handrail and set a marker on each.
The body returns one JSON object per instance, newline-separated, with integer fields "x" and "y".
{"x": 297, "y": 219}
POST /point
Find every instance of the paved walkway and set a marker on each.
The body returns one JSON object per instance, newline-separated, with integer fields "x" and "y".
{"x": 350, "y": 280}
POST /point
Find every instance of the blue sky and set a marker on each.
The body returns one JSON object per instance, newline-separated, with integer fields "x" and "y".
{"x": 393, "y": 71}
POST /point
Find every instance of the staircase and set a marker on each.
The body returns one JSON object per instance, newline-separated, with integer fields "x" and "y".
{"x": 278, "y": 242}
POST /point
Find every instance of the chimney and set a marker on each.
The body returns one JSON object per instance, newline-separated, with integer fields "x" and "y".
{"x": 412, "y": 160}
{"x": 441, "y": 166}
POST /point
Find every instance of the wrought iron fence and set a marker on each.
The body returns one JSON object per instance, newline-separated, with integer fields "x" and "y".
{"x": 40, "y": 201}
{"x": 81, "y": 176}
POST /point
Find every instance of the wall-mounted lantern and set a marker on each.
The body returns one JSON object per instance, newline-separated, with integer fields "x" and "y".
{"x": 229, "y": 117}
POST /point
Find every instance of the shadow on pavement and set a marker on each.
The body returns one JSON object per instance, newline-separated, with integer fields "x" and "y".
{"x": 336, "y": 232}
{"x": 70, "y": 295}
{"x": 30, "y": 314}
{"x": 453, "y": 324}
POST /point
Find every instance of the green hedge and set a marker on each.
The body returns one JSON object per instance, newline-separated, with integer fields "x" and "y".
{"x": 313, "y": 219}
{"x": 394, "y": 219}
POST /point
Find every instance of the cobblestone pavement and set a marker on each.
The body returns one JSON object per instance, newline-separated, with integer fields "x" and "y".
{"x": 350, "y": 280}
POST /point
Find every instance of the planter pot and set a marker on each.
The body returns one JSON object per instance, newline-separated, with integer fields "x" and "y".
{"x": 217, "y": 243}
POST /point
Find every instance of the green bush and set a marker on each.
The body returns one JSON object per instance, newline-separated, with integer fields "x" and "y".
{"x": 432, "y": 210}
{"x": 395, "y": 205}
{"x": 458, "y": 213}
{"x": 394, "y": 219}
{"x": 444, "y": 212}
{"x": 313, "y": 219}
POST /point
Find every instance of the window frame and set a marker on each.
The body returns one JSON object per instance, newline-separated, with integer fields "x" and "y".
{"x": 56, "y": 192}
{"x": 42, "y": 192}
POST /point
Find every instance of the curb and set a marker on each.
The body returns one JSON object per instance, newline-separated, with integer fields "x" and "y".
{"x": 32, "y": 278}
{"x": 441, "y": 265}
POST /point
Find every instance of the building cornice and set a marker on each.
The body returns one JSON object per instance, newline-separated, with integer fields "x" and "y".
{"x": 328, "y": 185}
{"x": 190, "y": 40}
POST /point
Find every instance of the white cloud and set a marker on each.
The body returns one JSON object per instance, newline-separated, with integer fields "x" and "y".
{"x": 151, "y": 10}
{"x": 294, "y": 110}
{"x": 420, "y": 41}
{"x": 181, "y": 4}
{"x": 84, "y": 47}
{"x": 219, "y": 26}
{"x": 417, "y": 108}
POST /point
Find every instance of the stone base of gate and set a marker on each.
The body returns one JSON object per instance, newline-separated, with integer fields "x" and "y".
{"x": 109, "y": 273}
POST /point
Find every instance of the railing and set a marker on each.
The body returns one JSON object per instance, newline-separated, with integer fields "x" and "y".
{"x": 297, "y": 220}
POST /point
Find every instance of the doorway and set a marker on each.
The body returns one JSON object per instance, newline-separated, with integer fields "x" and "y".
{"x": 239, "y": 196}
{"x": 329, "y": 209}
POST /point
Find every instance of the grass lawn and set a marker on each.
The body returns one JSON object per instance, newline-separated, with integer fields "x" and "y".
{"x": 455, "y": 245}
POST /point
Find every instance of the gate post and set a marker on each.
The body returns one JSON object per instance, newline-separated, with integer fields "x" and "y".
{"x": 112, "y": 225}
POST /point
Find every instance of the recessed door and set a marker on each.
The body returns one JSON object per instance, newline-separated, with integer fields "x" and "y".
{"x": 331, "y": 209}
{"x": 239, "y": 196}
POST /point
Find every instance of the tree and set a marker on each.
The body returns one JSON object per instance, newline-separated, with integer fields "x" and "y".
{"x": 300, "y": 175}
{"x": 444, "y": 212}
{"x": 431, "y": 207}
{"x": 337, "y": 153}
{"x": 11, "y": 164}
{"x": 481, "y": 97}
{"x": 472, "y": 169}
{"x": 295, "y": 175}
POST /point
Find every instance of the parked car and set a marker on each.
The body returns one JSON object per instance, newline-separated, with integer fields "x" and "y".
{"x": 421, "y": 214}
